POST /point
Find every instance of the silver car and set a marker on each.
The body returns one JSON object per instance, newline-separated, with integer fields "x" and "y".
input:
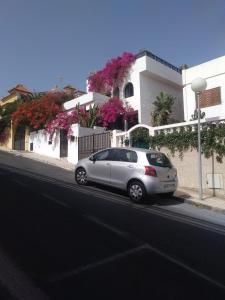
{"x": 140, "y": 172}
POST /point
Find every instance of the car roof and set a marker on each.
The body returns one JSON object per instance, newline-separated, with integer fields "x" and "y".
{"x": 136, "y": 149}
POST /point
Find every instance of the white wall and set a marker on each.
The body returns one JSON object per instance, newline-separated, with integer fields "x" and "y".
{"x": 40, "y": 140}
{"x": 162, "y": 71}
{"x": 88, "y": 98}
{"x": 214, "y": 73}
{"x": 150, "y": 89}
{"x": 134, "y": 78}
{"x": 149, "y": 78}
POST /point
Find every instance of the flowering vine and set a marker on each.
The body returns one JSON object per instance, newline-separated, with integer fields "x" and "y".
{"x": 107, "y": 116}
{"x": 112, "y": 75}
{"x": 38, "y": 112}
{"x": 64, "y": 120}
{"x": 111, "y": 111}
{"x": 114, "y": 111}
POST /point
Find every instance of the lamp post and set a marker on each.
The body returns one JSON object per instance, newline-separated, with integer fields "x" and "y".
{"x": 198, "y": 85}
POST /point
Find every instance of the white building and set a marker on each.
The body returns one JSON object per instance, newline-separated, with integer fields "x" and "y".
{"x": 86, "y": 100}
{"x": 149, "y": 76}
{"x": 212, "y": 101}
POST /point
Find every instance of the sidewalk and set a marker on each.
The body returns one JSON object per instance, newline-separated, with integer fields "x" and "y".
{"x": 188, "y": 195}
{"x": 59, "y": 162}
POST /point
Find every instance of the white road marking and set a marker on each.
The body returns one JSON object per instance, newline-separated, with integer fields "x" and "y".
{"x": 16, "y": 281}
{"x": 186, "y": 267}
{"x": 123, "y": 234}
{"x": 95, "y": 264}
{"x": 53, "y": 199}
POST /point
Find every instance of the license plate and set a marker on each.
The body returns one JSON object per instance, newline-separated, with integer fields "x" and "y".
{"x": 169, "y": 185}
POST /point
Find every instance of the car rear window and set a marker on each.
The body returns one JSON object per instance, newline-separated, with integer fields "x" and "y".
{"x": 158, "y": 160}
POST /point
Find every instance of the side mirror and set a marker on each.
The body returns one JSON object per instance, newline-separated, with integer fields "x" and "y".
{"x": 92, "y": 158}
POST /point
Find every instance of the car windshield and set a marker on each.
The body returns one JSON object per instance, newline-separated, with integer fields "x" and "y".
{"x": 159, "y": 160}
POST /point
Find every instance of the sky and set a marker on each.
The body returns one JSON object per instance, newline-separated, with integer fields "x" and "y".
{"x": 45, "y": 43}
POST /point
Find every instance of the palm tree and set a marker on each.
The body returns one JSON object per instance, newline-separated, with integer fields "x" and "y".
{"x": 162, "y": 109}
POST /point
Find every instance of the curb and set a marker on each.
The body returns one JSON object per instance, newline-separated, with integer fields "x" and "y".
{"x": 197, "y": 204}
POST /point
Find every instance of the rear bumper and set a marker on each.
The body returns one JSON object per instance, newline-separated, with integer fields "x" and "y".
{"x": 154, "y": 186}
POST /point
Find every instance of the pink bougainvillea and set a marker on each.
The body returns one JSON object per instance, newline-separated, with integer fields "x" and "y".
{"x": 110, "y": 111}
{"x": 112, "y": 75}
{"x": 63, "y": 120}
{"x": 110, "y": 115}
{"x": 113, "y": 111}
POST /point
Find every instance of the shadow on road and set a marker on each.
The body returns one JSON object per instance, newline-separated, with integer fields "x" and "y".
{"x": 158, "y": 199}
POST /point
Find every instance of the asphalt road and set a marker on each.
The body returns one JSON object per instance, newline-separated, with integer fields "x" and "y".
{"x": 62, "y": 241}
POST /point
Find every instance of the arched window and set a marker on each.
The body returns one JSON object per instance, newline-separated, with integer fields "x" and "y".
{"x": 116, "y": 92}
{"x": 128, "y": 90}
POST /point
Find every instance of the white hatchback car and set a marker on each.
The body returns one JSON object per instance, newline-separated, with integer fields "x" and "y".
{"x": 140, "y": 172}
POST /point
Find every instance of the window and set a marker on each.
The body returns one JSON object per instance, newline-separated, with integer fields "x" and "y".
{"x": 210, "y": 97}
{"x": 104, "y": 155}
{"x": 126, "y": 155}
{"x": 159, "y": 160}
{"x": 132, "y": 156}
{"x": 128, "y": 90}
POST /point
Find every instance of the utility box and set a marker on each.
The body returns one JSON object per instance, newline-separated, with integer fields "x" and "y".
{"x": 215, "y": 181}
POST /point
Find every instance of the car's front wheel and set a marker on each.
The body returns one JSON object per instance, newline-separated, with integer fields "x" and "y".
{"x": 136, "y": 191}
{"x": 81, "y": 176}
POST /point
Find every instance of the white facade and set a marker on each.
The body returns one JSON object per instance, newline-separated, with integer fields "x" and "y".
{"x": 86, "y": 100}
{"x": 40, "y": 142}
{"x": 151, "y": 75}
{"x": 214, "y": 73}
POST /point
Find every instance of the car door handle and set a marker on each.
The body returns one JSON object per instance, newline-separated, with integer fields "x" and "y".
{"x": 108, "y": 164}
{"x": 130, "y": 166}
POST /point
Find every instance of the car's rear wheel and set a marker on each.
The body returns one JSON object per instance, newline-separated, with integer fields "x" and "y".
{"x": 136, "y": 191}
{"x": 81, "y": 176}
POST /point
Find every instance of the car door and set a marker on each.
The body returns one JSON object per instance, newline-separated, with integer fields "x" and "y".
{"x": 123, "y": 167}
{"x": 99, "y": 169}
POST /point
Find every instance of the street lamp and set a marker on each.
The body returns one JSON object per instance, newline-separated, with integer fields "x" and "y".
{"x": 198, "y": 85}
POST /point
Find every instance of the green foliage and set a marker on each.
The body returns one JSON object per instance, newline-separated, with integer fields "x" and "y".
{"x": 140, "y": 137}
{"x": 162, "y": 109}
{"x": 212, "y": 140}
{"x": 7, "y": 110}
{"x": 195, "y": 115}
{"x": 88, "y": 118}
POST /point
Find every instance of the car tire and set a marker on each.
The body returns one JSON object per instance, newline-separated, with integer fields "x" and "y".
{"x": 81, "y": 176}
{"x": 136, "y": 191}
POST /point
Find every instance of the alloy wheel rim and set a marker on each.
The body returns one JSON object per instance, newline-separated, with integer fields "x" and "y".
{"x": 136, "y": 192}
{"x": 82, "y": 177}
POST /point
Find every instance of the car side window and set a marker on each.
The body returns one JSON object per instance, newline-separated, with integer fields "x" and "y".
{"x": 132, "y": 156}
{"x": 126, "y": 155}
{"x": 104, "y": 155}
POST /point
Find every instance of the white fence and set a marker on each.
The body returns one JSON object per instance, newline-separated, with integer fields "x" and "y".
{"x": 120, "y": 136}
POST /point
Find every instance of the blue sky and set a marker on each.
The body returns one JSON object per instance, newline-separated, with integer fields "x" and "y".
{"x": 58, "y": 42}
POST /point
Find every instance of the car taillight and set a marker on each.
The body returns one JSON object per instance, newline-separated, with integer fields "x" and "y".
{"x": 150, "y": 171}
